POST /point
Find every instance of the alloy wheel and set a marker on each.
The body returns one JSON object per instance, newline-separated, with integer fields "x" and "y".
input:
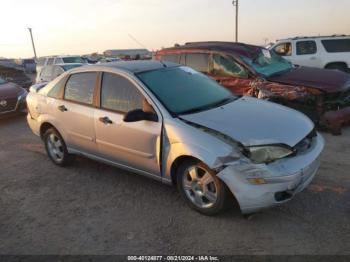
{"x": 200, "y": 187}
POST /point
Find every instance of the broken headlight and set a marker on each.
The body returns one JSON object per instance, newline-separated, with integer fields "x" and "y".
{"x": 267, "y": 154}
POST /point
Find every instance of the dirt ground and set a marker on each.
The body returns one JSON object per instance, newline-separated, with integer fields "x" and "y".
{"x": 91, "y": 208}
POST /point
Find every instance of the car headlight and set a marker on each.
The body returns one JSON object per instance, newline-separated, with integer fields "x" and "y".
{"x": 267, "y": 154}
{"x": 23, "y": 95}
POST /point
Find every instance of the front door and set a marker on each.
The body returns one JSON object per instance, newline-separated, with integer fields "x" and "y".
{"x": 231, "y": 75}
{"x": 133, "y": 144}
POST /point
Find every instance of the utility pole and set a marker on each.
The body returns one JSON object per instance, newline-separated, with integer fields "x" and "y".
{"x": 235, "y": 3}
{"x": 31, "y": 36}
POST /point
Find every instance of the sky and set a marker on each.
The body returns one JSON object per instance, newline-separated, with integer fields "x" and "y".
{"x": 86, "y": 26}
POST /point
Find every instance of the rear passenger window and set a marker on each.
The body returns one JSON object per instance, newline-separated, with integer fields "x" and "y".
{"x": 336, "y": 46}
{"x": 41, "y": 61}
{"x": 50, "y": 61}
{"x": 306, "y": 48}
{"x": 199, "y": 62}
{"x": 80, "y": 88}
{"x": 58, "y": 61}
{"x": 119, "y": 94}
{"x": 171, "y": 58}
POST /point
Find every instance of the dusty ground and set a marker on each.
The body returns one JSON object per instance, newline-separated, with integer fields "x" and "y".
{"x": 91, "y": 208}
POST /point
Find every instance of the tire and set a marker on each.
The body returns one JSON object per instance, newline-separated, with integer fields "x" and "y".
{"x": 201, "y": 189}
{"x": 56, "y": 148}
{"x": 337, "y": 66}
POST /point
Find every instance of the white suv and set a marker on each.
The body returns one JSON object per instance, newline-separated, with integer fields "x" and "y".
{"x": 54, "y": 60}
{"x": 331, "y": 52}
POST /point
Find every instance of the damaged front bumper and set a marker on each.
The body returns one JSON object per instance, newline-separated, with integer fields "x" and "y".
{"x": 282, "y": 179}
{"x": 336, "y": 119}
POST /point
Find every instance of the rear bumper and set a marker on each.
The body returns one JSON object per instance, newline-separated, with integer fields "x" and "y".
{"x": 285, "y": 178}
{"x": 336, "y": 119}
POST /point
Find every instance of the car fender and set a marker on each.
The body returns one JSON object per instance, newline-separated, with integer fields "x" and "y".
{"x": 45, "y": 118}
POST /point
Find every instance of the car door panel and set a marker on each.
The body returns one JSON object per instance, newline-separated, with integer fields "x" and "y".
{"x": 78, "y": 122}
{"x": 135, "y": 144}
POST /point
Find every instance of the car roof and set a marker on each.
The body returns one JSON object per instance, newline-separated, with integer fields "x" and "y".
{"x": 67, "y": 64}
{"x": 133, "y": 66}
{"x": 229, "y": 47}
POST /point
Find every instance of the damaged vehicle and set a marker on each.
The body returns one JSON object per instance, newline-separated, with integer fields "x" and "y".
{"x": 323, "y": 95}
{"x": 176, "y": 125}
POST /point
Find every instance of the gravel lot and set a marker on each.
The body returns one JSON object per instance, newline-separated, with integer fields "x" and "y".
{"x": 91, "y": 208}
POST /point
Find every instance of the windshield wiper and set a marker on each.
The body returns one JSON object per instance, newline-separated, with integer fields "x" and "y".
{"x": 210, "y": 106}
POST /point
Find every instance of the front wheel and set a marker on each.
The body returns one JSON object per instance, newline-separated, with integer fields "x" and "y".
{"x": 56, "y": 148}
{"x": 201, "y": 189}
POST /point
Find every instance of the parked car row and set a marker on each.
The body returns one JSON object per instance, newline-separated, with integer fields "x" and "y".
{"x": 323, "y": 95}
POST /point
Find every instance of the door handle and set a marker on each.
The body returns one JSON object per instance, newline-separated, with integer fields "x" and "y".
{"x": 105, "y": 120}
{"x": 62, "y": 108}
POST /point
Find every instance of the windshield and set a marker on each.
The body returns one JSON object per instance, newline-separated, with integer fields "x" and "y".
{"x": 183, "y": 91}
{"x": 268, "y": 63}
{"x": 68, "y": 67}
{"x": 73, "y": 59}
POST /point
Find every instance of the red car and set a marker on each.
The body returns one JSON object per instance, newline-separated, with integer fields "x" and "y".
{"x": 323, "y": 95}
{"x": 12, "y": 98}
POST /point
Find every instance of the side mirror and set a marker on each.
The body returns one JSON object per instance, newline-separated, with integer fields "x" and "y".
{"x": 139, "y": 115}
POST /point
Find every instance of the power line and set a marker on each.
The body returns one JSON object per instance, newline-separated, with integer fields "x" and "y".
{"x": 139, "y": 43}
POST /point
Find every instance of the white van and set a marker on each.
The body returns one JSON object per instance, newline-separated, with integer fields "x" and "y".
{"x": 331, "y": 52}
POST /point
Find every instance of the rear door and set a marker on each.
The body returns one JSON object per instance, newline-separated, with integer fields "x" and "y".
{"x": 75, "y": 112}
{"x": 132, "y": 144}
{"x": 306, "y": 54}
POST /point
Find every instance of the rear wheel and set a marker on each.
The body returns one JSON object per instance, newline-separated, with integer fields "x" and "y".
{"x": 337, "y": 66}
{"x": 56, "y": 148}
{"x": 201, "y": 189}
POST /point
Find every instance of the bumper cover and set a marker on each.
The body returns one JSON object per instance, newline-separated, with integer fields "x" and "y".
{"x": 336, "y": 119}
{"x": 287, "y": 177}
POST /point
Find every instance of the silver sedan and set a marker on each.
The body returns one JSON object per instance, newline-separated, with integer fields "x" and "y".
{"x": 173, "y": 124}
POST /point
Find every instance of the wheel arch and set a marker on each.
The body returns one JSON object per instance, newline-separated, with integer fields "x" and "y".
{"x": 177, "y": 163}
{"x": 340, "y": 63}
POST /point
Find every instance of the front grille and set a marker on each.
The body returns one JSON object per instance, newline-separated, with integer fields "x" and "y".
{"x": 8, "y": 104}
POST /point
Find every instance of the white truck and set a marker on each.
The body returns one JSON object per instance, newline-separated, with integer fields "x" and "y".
{"x": 331, "y": 52}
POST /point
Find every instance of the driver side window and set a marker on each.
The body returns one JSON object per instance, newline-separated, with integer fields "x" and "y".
{"x": 119, "y": 94}
{"x": 284, "y": 49}
{"x": 227, "y": 67}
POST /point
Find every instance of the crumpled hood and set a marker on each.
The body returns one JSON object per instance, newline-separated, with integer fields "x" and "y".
{"x": 326, "y": 80}
{"x": 10, "y": 90}
{"x": 255, "y": 122}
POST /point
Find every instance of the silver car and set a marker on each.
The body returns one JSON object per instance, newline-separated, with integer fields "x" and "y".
{"x": 175, "y": 125}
